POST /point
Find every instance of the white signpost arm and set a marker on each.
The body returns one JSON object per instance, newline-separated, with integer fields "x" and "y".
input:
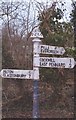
{"x": 36, "y": 43}
{"x": 14, "y": 73}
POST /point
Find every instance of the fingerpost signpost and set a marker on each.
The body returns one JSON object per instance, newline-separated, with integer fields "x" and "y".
{"x": 49, "y": 62}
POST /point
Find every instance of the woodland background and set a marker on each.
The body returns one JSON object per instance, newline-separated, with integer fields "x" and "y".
{"x": 56, "y": 86}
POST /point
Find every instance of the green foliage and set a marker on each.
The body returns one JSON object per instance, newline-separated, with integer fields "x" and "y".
{"x": 54, "y": 78}
{"x": 55, "y": 32}
{"x": 58, "y": 34}
{"x": 73, "y": 14}
{"x": 73, "y": 19}
{"x": 49, "y": 25}
{"x": 71, "y": 52}
{"x": 51, "y": 76}
{"x": 54, "y": 39}
{"x": 58, "y": 14}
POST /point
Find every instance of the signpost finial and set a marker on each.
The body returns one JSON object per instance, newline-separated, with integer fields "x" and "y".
{"x": 36, "y": 33}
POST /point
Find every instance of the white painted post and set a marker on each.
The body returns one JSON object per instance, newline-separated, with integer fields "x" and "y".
{"x": 36, "y": 43}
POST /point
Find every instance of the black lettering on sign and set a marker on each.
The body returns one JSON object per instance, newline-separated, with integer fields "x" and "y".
{"x": 55, "y": 47}
{"x": 18, "y": 75}
{"x": 51, "y": 51}
{"x": 50, "y": 64}
{"x": 11, "y": 75}
{"x": 7, "y": 75}
{"x": 40, "y": 63}
{"x": 14, "y": 75}
{"x": 42, "y": 59}
{"x": 46, "y": 60}
{"x": 57, "y": 65}
{"x": 22, "y": 75}
{"x": 70, "y": 63}
{"x": 11, "y": 71}
{"x": 29, "y": 74}
{"x": 4, "y": 73}
{"x": 42, "y": 49}
{"x": 46, "y": 49}
{"x": 54, "y": 65}
{"x": 56, "y": 51}
{"x": 63, "y": 65}
{"x": 43, "y": 63}
{"x": 38, "y": 34}
{"x": 50, "y": 60}
{"x": 53, "y": 60}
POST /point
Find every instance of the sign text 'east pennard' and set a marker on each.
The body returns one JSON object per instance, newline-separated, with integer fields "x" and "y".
{"x": 53, "y": 62}
{"x": 47, "y": 49}
{"x": 20, "y": 74}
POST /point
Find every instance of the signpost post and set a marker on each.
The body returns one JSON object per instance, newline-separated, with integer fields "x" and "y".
{"x": 36, "y": 44}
